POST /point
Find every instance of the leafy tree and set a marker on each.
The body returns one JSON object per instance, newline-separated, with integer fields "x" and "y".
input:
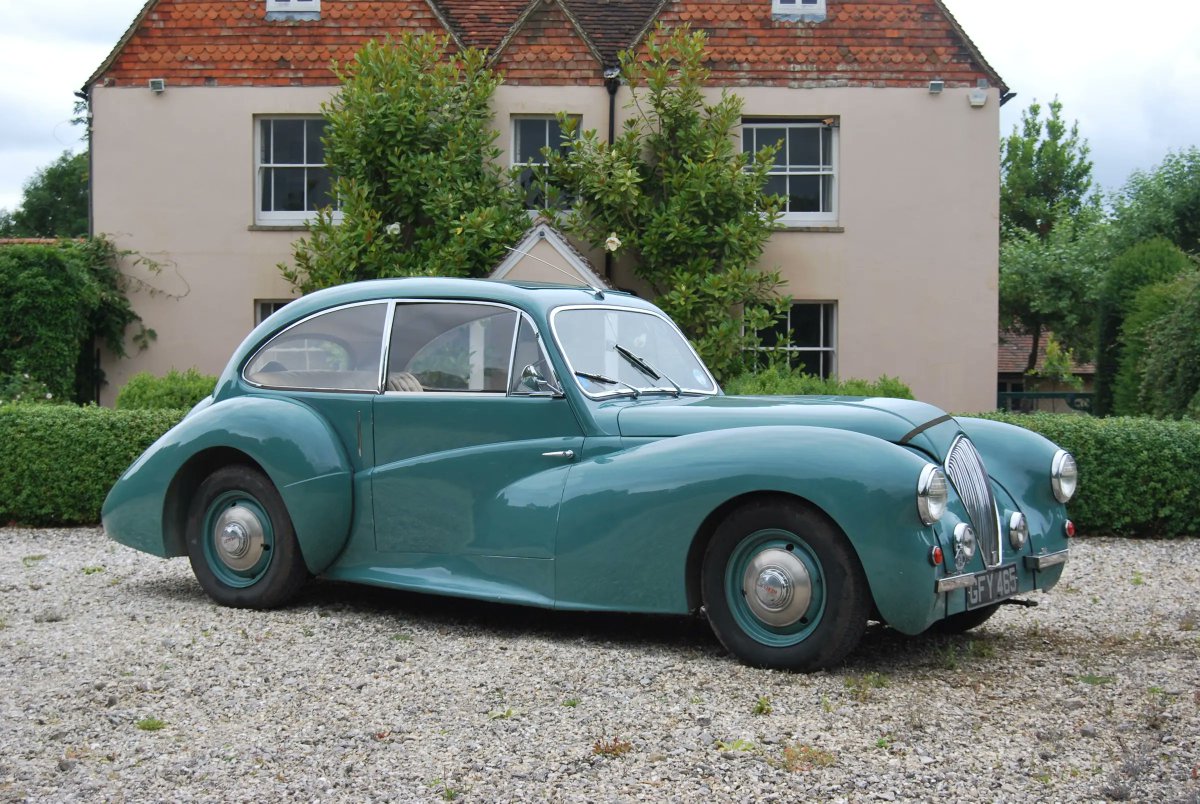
{"x": 675, "y": 194}
{"x": 1146, "y": 263}
{"x": 1164, "y": 202}
{"x": 1149, "y": 305}
{"x": 1171, "y": 367}
{"x": 54, "y": 203}
{"x": 1046, "y": 172}
{"x": 1051, "y": 283}
{"x": 417, "y": 184}
{"x": 1051, "y": 247}
{"x": 58, "y": 301}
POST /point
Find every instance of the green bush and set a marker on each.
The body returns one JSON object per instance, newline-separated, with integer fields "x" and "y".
{"x": 1137, "y": 476}
{"x": 778, "y": 380}
{"x": 57, "y": 462}
{"x": 176, "y": 390}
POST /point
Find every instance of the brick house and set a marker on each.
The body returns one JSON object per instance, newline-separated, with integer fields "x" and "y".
{"x": 205, "y": 161}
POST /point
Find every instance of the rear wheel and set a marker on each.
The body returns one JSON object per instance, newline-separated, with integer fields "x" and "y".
{"x": 241, "y": 542}
{"x": 783, "y": 588}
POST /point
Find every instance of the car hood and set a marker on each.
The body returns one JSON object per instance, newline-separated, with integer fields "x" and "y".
{"x": 899, "y": 421}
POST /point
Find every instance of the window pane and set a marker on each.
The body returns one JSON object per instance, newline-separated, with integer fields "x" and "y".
{"x": 804, "y": 194}
{"x": 289, "y": 189}
{"x": 318, "y": 188}
{"x": 774, "y": 136}
{"x": 776, "y": 185}
{"x": 530, "y": 139}
{"x": 453, "y": 347}
{"x": 826, "y": 146}
{"x": 529, "y": 353}
{"x": 288, "y": 142}
{"x": 315, "y": 151}
{"x": 264, "y": 136}
{"x": 806, "y": 324}
{"x": 339, "y": 350}
{"x": 804, "y": 147}
{"x": 748, "y": 140}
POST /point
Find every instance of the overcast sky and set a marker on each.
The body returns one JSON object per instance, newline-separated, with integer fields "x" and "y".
{"x": 1128, "y": 72}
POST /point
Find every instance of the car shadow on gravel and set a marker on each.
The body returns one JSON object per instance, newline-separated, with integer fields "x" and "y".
{"x": 882, "y": 648}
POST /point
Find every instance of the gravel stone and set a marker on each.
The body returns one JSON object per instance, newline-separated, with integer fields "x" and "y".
{"x": 130, "y": 685}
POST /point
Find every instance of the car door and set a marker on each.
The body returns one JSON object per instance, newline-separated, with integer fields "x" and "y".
{"x": 472, "y": 451}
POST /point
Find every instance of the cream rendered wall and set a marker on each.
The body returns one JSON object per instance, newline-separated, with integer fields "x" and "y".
{"x": 913, "y": 269}
{"x": 173, "y": 181}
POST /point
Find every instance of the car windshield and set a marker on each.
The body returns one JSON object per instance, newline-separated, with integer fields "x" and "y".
{"x": 618, "y": 351}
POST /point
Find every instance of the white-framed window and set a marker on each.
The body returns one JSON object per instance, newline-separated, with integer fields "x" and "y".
{"x": 808, "y": 334}
{"x": 805, "y": 169}
{"x": 265, "y": 308}
{"x": 530, "y": 135}
{"x": 798, "y": 8}
{"x": 294, "y": 6}
{"x": 293, "y": 181}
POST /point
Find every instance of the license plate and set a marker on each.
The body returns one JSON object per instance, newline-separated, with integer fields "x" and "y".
{"x": 992, "y": 585}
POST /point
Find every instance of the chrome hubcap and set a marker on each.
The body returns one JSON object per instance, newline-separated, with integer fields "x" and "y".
{"x": 777, "y": 587}
{"x": 238, "y": 537}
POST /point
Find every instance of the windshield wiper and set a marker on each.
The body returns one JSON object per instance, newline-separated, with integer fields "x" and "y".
{"x": 608, "y": 381}
{"x": 644, "y": 367}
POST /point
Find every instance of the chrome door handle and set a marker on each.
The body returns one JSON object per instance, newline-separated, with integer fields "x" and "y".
{"x": 562, "y": 453}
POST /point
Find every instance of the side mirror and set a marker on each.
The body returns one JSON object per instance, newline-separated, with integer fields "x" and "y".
{"x": 533, "y": 382}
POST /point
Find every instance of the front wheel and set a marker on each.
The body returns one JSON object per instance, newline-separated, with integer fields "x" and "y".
{"x": 783, "y": 588}
{"x": 240, "y": 541}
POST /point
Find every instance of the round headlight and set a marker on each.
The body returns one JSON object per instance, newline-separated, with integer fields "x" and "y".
{"x": 932, "y": 494}
{"x": 964, "y": 545}
{"x": 1064, "y": 476}
{"x": 1018, "y": 530}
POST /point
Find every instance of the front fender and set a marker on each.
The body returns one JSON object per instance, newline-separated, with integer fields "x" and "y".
{"x": 289, "y": 441}
{"x": 628, "y": 518}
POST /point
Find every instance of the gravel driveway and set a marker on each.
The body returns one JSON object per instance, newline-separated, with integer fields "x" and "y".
{"x": 120, "y": 681}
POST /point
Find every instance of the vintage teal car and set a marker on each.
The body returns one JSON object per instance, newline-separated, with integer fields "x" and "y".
{"x": 564, "y": 447}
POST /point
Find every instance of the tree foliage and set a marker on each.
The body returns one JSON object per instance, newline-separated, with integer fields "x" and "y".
{"x": 54, "y": 202}
{"x": 1046, "y": 172}
{"x": 1051, "y": 241}
{"x": 685, "y": 204}
{"x": 1171, "y": 366}
{"x": 1147, "y": 263}
{"x": 1052, "y": 283}
{"x": 417, "y": 181}
{"x": 1149, "y": 305}
{"x": 1164, "y": 202}
{"x": 58, "y": 300}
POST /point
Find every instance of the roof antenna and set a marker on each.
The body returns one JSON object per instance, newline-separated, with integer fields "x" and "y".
{"x": 598, "y": 291}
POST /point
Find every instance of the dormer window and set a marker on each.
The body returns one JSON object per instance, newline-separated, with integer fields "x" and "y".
{"x": 293, "y": 9}
{"x": 805, "y": 10}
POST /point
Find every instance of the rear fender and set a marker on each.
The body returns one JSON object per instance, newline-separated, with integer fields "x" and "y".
{"x": 287, "y": 440}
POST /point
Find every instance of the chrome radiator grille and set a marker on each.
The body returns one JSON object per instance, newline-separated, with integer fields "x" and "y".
{"x": 966, "y": 471}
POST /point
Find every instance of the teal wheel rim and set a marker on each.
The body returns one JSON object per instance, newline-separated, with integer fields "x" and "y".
{"x": 775, "y": 587}
{"x": 238, "y": 539}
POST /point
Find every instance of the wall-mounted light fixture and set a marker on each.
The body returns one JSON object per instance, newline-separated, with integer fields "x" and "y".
{"x": 158, "y": 85}
{"x": 977, "y": 97}
{"x": 936, "y": 86}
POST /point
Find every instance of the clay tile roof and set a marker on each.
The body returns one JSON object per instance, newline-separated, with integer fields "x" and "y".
{"x": 614, "y": 25}
{"x": 480, "y": 25}
{"x": 1013, "y": 354}
{"x": 860, "y": 43}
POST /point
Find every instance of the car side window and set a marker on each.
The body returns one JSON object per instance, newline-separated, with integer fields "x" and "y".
{"x": 531, "y": 370}
{"x": 449, "y": 346}
{"x": 339, "y": 350}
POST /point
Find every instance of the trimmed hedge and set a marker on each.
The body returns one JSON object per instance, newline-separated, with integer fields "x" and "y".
{"x": 1137, "y": 476}
{"x": 778, "y": 380}
{"x": 173, "y": 391}
{"x": 57, "y": 462}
